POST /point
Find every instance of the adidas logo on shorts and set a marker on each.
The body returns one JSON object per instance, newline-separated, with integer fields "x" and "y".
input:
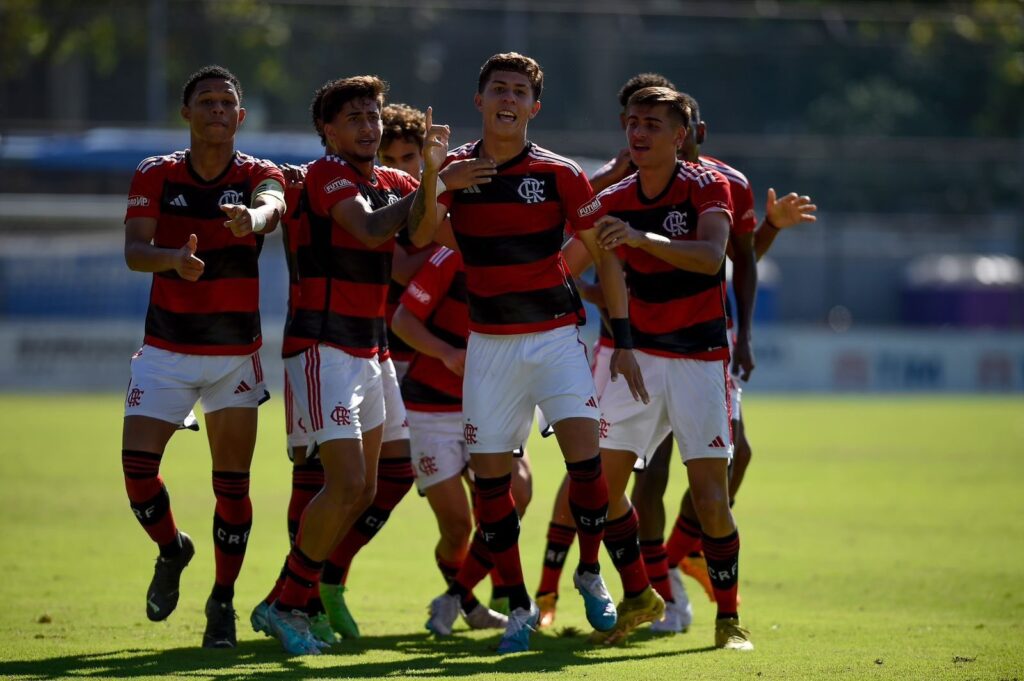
{"x": 717, "y": 443}
{"x": 243, "y": 387}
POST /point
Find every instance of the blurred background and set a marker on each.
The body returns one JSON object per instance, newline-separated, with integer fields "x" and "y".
{"x": 903, "y": 120}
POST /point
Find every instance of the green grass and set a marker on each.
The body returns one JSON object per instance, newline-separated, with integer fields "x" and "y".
{"x": 883, "y": 538}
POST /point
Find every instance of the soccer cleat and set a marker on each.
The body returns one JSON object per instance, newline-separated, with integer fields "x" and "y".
{"x": 320, "y": 627}
{"x": 162, "y": 596}
{"x": 596, "y": 600}
{"x": 333, "y": 597}
{"x": 547, "y": 604}
{"x": 258, "y": 619}
{"x": 499, "y": 605}
{"x": 679, "y": 613}
{"x": 220, "y": 625}
{"x": 482, "y": 617}
{"x": 729, "y": 635}
{"x": 521, "y": 623}
{"x": 697, "y": 567}
{"x": 292, "y": 630}
{"x": 443, "y": 612}
{"x": 647, "y": 607}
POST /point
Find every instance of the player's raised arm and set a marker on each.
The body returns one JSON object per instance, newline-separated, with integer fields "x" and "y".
{"x": 779, "y": 214}
{"x": 425, "y": 214}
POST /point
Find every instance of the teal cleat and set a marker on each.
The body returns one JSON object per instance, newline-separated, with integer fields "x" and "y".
{"x": 598, "y": 602}
{"x": 258, "y": 619}
{"x": 521, "y": 623}
{"x": 292, "y": 630}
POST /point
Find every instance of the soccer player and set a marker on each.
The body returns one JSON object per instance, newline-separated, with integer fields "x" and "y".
{"x": 335, "y": 335}
{"x": 524, "y": 350}
{"x": 202, "y": 333}
{"x": 433, "y": 317}
{"x": 670, "y": 222}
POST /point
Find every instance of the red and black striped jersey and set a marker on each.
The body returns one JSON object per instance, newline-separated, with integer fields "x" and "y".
{"x": 342, "y": 284}
{"x": 744, "y": 217}
{"x": 510, "y": 233}
{"x": 219, "y": 314}
{"x": 294, "y": 223}
{"x": 437, "y": 297}
{"x": 673, "y": 312}
{"x": 399, "y": 349}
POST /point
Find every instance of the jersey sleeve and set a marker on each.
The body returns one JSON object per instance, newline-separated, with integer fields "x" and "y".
{"x": 713, "y": 195}
{"x": 144, "y": 194}
{"x": 744, "y": 218}
{"x": 578, "y": 200}
{"x": 329, "y": 183}
{"x": 428, "y": 288}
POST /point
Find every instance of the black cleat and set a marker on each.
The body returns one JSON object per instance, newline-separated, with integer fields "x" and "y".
{"x": 162, "y": 597}
{"x": 220, "y": 625}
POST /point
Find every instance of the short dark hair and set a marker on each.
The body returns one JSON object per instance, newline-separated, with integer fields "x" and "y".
{"x": 402, "y": 122}
{"x": 343, "y": 91}
{"x": 516, "y": 63}
{"x": 639, "y": 82}
{"x": 212, "y": 71}
{"x": 694, "y": 107}
{"x": 652, "y": 96}
{"x": 314, "y": 110}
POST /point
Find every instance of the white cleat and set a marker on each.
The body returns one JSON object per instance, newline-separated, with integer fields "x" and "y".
{"x": 444, "y": 610}
{"x": 678, "y": 615}
{"x": 482, "y": 617}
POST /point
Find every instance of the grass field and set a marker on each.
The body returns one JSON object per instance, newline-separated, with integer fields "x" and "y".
{"x": 883, "y": 538}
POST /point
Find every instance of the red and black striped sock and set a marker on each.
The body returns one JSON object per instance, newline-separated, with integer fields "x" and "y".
{"x": 499, "y": 525}
{"x": 684, "y": 540}
{"x": 302, "y": 575}
{"x": 232, "y": 521}
{"x": 621, "y": 538}
{"x": 656, "y": 566}
{"x": 560, "y": 538}
{"x": 149, "y": 499}
{"x": 588, "y": 501}
{"x": 723, "y": 557}
{"x": 394, "y": 478}
{"x": 307, "y": 481}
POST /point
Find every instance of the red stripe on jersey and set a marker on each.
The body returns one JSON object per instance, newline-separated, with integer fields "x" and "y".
{"x": 206, "y": 297}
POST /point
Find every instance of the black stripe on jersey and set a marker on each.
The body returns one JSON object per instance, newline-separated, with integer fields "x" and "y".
{"x": 663, "y": 287}
{"x": 522, "y": 307}
{"x": 457, "y": 289}
{"x": 358, "y": 267}
{"x": 532, "y": 188}
{"x": 512, "y": 249}
{"x": 202, "y": 203}
{"x": 397, "y": 345}
{"x": 216, "y": 328}
{"x": 416, "y": 392}
{"x": 683, "y": 225}
{"x": 453, "y": 339}
{"x": 353, "y": 332}
{"x": 233, "y": 262}
{"x": 395, "y": 291}
{"x": 703, "y": 337}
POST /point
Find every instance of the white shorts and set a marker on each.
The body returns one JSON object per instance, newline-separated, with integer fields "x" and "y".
{"x": 294, "y": 424}
{"x": 602, "y": 368}
{"x": 165, "y": 385}
{"x": 507, "y": 376}
{"x": 396, "y": 424}
{"x": 735, "y": 391}
{"x": 688, "y": 399}
{"x": 438, "y": 447}
{"x": 401, "y": 368}
{"x": 337, "y": 396}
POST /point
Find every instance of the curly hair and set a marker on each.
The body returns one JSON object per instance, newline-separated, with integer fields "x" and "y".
{"x": 403, "y": 122}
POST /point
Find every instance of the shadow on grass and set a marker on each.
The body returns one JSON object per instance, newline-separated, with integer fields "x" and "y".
{"x": 418, "y": 655}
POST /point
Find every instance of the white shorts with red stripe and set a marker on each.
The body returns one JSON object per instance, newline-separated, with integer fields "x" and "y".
{"x": 336, "y": 395}
{"x": 396, "y": 423}
{"x": 438, "y": 447}
{"x": 508, "y": 376}
{"x": 294, "y": 424}
{"x": 166, "y": 385}
{"x": 602, "y": 368}
{"x": 688, "y": 398}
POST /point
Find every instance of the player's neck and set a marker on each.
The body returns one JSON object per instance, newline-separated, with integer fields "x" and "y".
{"x": 500, "y": 149}
{"x": 363, "y": 166}
{"x": 653, "y": 180}
{"x": 209, "y": 160}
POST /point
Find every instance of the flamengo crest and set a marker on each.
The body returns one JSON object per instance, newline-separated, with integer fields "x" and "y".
{"x": 532, "y": 190}
{"x": 231, "y": 196}
{"x": 675, "y": 224}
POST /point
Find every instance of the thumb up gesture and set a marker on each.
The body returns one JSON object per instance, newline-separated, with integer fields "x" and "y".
{"x": 187, "y": 265}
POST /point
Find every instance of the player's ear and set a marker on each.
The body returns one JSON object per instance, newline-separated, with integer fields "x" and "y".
{"x": 478, "y": 102}
{"x": 535, "y": 109}
{"x": 241, "y": 116}
{"x": 702, "y": 130}
{"x": 186, "y": 113}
